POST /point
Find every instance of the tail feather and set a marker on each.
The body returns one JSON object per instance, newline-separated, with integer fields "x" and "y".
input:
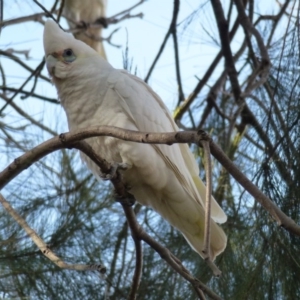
{"x": 217, "y": 212}
{"x": 193, "y": 231}
{"x": 185, "y": 214}
{"x": 218, "y": 240}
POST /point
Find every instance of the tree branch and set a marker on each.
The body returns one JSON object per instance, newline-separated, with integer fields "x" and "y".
{"x": 35, "y": 17}
{"x": 9, "y": 53}
{"x": 44, "y": 247}
{"x": 135, "y": 233}
{"x": 36, "y": 72}
{"x": 132, "y": 222}
{"x": 226, "y": 50}
{"x": 169, "y": 32}
{"x": 189, "y": 100}
{"x": 206, "y": 248}
{"x": 247, "y": 115}
{"x": 165, "y": 254}
{"x": 67, "y": 140}
{"x": 74, "y": 141}
{"x": 26, "y": 94}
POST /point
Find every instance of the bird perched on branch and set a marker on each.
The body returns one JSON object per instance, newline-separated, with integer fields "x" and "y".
{"x": 87, "y": 12}
{"x": 164, "y": 177}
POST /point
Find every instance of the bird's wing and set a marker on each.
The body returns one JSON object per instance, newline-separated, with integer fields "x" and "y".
{"x": 147, "y": 111}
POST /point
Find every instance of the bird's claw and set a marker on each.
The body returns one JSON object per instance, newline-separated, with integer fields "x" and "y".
{"x": 114, "y": 168}
{"x": 102, "y": 21}
{"x": 83, "y": 25}
{"x": 129, "y": 200}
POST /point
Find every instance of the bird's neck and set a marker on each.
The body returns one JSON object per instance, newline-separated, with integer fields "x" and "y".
{"x": 82, "y": 100}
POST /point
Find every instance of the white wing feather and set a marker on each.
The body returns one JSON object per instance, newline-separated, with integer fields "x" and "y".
{"x": 151, "y": 115}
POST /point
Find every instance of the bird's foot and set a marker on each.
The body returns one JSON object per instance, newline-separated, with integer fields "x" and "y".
{"x": 102, "y": 21}
{"x": 83, "y": 25}
{"x": 128, "y": 200}
{"x": 114, "y": 168}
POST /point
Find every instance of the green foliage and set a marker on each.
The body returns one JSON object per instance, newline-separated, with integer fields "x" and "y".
{"x": 80, "y": 221}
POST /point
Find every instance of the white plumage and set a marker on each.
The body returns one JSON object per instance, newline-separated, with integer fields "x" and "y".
{"x": 164, "y": 177}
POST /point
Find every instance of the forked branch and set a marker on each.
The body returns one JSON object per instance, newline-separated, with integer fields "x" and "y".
{"x": 66, "y": 139}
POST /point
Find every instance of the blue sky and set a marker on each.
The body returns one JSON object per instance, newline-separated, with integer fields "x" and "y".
{"x": 198, "y": 45}
{"x": 144, "y": 39}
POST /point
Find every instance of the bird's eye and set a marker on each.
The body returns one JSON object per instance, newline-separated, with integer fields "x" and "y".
{"x": 68, "y": 55}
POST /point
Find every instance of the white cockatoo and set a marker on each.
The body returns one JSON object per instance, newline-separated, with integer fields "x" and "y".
{"x": 164, "y": 177}
{"x": 87, "y": 11}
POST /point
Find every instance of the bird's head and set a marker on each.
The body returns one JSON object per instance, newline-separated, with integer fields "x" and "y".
{"x": 65, "y": 56}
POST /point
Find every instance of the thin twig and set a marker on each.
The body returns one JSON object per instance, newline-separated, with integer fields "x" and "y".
{"x": 44, "y": 247}
{"x": 262, "y": 70}
{"x": 226, "y": 49}
{"x": 211, "y": 103}
{"x": 60, "y": 11}
{"x": 133, "y": 224}
{"x": 26, "y": 93}
{"x": 47, "y": 12}
{"x": 128, "y": 9}
{"x": 202, "y": 82}
{"x": 35, "y": 17}
{"x": 53, "y": 8}
{"x": 247, "y": 115}
{"x": 99, "y": 39}
{"x": 172, "y": 260}
{"x": 36, "y": 71}
{"x": 247, "y": 25}
{"x": 122, "y": 192}
{"x": 169, "y": 32}
{"x": 1, "y": 14}
{"x": 24, "y": 52}
{"x": 27, "y": 116}
{"x": 3, "y": 77}
{"x": 176, "y": 51}
{"x": 206, "y": 248}
{"x": 78, "y": 28}
{"x": 9, "y": 53}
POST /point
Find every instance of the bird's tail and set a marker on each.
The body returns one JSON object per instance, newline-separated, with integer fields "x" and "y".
{"x": 188, "y": 216}
{"x": 218, "y": 239}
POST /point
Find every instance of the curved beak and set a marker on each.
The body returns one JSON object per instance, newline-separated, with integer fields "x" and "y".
{"x": 51, "y": 63}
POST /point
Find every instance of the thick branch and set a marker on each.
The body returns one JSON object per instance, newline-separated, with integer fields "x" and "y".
{"x": 66, "y": 140}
